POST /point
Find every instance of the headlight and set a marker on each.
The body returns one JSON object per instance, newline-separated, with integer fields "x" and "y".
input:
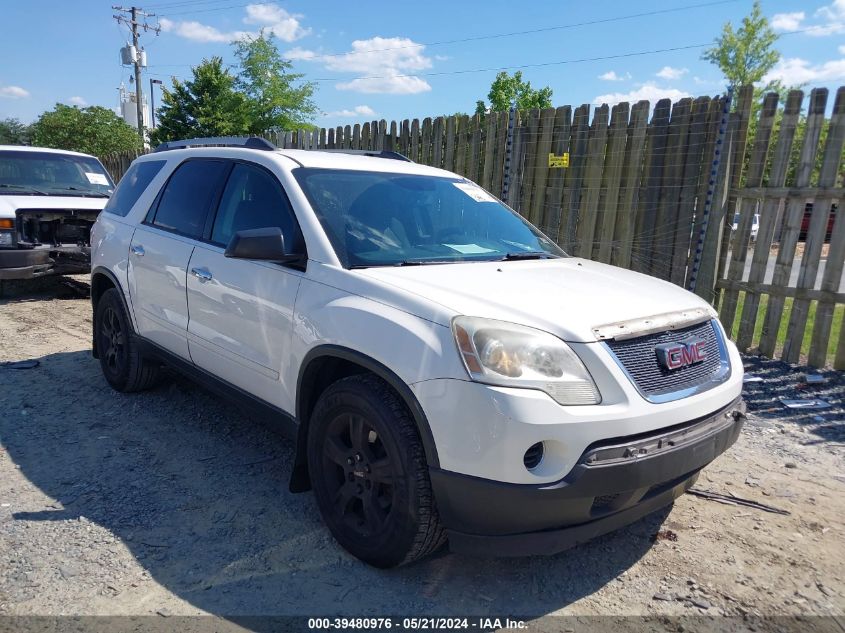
{"x": 501, "y": 353}
{"x": 6, "y": 238}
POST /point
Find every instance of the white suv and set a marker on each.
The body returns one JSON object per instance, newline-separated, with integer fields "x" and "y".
{"x": 446, "y": 371}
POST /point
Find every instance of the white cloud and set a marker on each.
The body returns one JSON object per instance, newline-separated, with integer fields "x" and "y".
{"x": 611, "y": 75}
{"x": 648, "y": 91}
{"x": 832, "y": 20}
{"x": 788, "y": 21}
{"x": 13, "y": 92}
{"x": 270, "y": 17}
{"x": 298, "y": 53}
{"x": 842, "y": 50}
{"x": 275, "y": 19}
{"x": 400, "y": 53}
{"x": 198, "y": 32}
{"x": 667, "y": 72}
{"x": 795, "y": 71}
{"x": 357, "y": 111}
{"x": 386, "y": 64}
{"x": 79, "y": 101}
{"x": 387, "y": 84}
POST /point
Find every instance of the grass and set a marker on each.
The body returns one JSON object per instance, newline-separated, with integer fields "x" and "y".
{"x": 835, "y": 330}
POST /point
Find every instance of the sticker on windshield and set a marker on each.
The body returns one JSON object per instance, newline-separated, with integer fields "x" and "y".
{"x": 469, "y": 249}
{"x": 475, "y": 192}
{"x": 96, "y": 179}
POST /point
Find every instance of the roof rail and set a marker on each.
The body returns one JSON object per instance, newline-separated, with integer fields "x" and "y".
{"x": 375, "y": 153}
{"x": 248, "y": 142}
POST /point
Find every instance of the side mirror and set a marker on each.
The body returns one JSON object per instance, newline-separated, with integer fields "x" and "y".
{"x": 266, "y": 244}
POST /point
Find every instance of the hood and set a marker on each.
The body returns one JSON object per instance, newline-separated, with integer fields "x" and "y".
{"x": 9, "y": 204}
{"x": 576, "y": 299}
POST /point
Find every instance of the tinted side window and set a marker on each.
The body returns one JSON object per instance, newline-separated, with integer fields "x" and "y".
{"x": 132, "y": 185}
{"x": 187, "y": 196}
{"x": 253, "y": 199}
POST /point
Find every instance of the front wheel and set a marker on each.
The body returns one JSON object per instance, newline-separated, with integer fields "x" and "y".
{"x": 369, "y": 474}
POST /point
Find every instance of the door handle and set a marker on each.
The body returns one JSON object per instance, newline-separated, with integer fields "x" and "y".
{"x": 138, "y": 250}
{"x": 202, "y": 274}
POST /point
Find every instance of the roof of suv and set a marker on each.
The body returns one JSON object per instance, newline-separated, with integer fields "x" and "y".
{"x": 309, "y": 158}
{"x": 340, "y": 160}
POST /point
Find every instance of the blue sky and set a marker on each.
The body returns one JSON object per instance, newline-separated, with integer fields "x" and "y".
{"x": 395, "y": 60}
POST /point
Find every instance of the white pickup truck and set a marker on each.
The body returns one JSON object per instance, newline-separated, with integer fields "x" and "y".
{"x": 446, "y": 371}
{"x": 49, "y": 200}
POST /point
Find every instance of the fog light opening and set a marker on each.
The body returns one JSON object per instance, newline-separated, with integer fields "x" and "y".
{"x": 533, "y": 456}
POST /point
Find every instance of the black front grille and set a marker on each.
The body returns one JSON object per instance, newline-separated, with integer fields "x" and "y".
{"x": 638, "y": 357}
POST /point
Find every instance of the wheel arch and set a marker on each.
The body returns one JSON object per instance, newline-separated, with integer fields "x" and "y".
{"x": 327, "y": 363}
{"x": 103, "y": 279}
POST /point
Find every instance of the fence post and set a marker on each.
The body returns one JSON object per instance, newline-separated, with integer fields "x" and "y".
{"x": 506, "y": 178}
{"x": 711, "y": 190}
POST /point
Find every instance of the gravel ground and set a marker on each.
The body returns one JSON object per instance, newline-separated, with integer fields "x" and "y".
{"x": 171, "y": 502}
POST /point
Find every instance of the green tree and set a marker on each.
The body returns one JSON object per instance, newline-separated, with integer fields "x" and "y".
{"x": 205, "y": 105}
{"x": 13, "y": 132}
{"x": 507, "y": 88}
{"x": 745, "y": 55}
{"x": 276, "y": 98}
{"x": 93, "y": 130}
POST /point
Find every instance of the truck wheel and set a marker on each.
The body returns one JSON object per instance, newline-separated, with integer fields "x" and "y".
{"x": 120, "y": 359}
{"x": 369, "y": 474}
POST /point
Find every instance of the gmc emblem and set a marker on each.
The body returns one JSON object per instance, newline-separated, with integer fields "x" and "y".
{"x": 681, "y": 353}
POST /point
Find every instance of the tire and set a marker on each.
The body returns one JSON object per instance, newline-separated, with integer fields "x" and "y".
{"x": 120, "y": 358}
{"x": 369, "y": 474}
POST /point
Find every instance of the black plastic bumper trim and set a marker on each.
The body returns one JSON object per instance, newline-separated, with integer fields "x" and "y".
{"x": 555, "y": 541}
{"x": 596, "y": 497}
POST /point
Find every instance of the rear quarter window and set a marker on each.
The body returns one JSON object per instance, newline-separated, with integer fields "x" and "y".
{"x": 134, "y": 182}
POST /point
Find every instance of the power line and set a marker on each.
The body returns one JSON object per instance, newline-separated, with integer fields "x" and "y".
{"x": 169, "y": 5}
{"x": 234, "y": 6}
{"x": 520, "y": 66}
{"x": 535, "y": 31}
{"x": 539, "y": 64}
{"x": 476, "y": 38}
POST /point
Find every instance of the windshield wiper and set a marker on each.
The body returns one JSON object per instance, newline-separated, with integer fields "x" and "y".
{"x": 527, "y": 255}
{"x": 423, "y": 262}
{"x": 30, "y": 190}
{"x": 99, "y": 194}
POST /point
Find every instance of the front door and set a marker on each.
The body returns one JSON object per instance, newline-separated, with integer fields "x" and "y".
{"x": 241, "y": 310}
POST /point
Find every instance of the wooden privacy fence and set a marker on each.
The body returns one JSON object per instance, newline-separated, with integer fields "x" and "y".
{"x": 636, "y": 186}
{"x": 803, "y": 305}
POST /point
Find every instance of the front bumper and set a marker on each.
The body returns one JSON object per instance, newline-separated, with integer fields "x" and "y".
{"x": 38, "y": 262}
{"x": 614, "y": 483}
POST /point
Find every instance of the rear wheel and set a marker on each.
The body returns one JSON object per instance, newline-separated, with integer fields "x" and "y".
{"x": 369, "y": 473}
{"x": 123, "y": 366}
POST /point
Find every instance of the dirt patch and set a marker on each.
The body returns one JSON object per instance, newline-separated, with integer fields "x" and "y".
{"x": 171, "y": 501}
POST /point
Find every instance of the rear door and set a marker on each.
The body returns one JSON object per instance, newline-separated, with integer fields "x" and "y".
{"x": 242, "y": 310}
{"x": 161, "y": 249}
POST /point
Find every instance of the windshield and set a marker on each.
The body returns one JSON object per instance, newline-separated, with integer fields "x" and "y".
{"x": 383, "y": 219}
{"x": 48, "y": 173}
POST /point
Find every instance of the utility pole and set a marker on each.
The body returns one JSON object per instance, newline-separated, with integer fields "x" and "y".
{"x": 133, "y": 23}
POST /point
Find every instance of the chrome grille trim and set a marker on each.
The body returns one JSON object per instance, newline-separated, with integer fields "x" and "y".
{"x": 638, "y": 361}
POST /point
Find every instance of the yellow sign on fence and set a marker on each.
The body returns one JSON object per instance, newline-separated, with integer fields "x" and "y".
{"x": 559, "y": 161}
